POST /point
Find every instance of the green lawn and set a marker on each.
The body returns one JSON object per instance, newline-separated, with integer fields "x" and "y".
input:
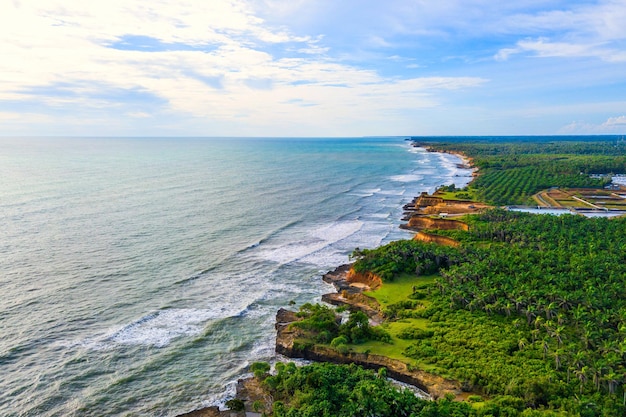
{"x": 396, "y": 349}
{"x": 399, "y": 289}
{"x": 389, "y": 293}
{"x": 458, "y": 195}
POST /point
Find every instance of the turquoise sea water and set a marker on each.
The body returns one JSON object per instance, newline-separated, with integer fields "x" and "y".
{"x": 142, "y": 276}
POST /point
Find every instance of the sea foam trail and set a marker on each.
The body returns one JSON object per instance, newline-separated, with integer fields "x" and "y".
{"x": 161, "y": 327}
{"x": 312, "y": 242}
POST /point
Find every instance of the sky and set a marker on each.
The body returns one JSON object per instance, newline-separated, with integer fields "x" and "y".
{"x": 312, "y": 67}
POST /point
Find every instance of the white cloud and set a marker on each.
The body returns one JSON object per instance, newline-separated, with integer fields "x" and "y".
{"x": 263, "y": 64}
{"x": 615, "y": 122}
{"x": 24, "y": 117}
{"x": 542, "y": 47}
{"x": 584, "y": 30}
{"x": 61, "y": 55}
{"x": 613, "y": 125}
{"x": 139, "y": 114}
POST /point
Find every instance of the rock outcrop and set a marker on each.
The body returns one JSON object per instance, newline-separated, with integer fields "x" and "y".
{"x": 434, "y": 385}
{"x": 440, "y": 240}
{"x": 369, "y": 279}
{"x": 426, "y": 200}
{"x": 350, "y": 286}
{"x": 419, "y": 222}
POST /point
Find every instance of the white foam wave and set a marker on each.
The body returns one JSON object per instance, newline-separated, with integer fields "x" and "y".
{"x": 337, "y": 231}
{"x": 219, "y": 400}
{"x": 161, "y": 327}
{"x": 379, "y": 215}
{"x": 392, "y": 192}
{"x": 365, "y": 193}
{"x": 313, "y": 242}
{"x": 407, "y": 178}
{"x": 257, "y": 311}
{"x": 326, "y": 257}
{"x": 263, "y": 348}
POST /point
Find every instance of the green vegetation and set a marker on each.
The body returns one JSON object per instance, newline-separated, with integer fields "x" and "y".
{"x": 531, "y": 307}
{"x": 529, "y": 311}
{"x": 450, "y": 192}
{"x": 528, "y": 308}
{"x": 323, "y": 389}
{"x": 404, "y": 256}
{"x": 511, "y": 172}
{"x": 322, "y": 325}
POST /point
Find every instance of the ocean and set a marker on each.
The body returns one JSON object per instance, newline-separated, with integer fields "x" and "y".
{"x": 141, "y": 276}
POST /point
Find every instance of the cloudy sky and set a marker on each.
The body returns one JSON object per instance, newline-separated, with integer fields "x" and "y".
{"x": 312, "y": 67}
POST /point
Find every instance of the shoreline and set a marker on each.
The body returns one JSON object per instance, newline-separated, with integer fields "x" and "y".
{"x": 296, "y": 342}
{"x": 466, "y": 161}
{"x": 350, "y": 293}
{"x": 431, "y": 385}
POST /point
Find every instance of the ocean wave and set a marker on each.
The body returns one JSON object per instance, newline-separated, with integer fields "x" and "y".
{"x": 314, "y": 241}
{"x": 365, "y": 193}
{"x": 160, "y": 327}
{"x": 195, "y": 276}
{"x": 407, "y": 178}
{"x": 270, "y": 235}
{"x": 394, "y": 192}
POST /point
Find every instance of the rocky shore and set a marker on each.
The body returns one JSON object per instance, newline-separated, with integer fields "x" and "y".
{"x": 350, "y": 287}
{"x": 350, "y": 293}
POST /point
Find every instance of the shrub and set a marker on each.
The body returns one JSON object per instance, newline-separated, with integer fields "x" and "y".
{"x": 415, "y": 333}
{"x": 340, "y": 340}
{"x": 260, "y": 369}
{"x": 235, "y": 404}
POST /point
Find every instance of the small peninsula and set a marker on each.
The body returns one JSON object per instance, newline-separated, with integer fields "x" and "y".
{"x": 487, "y": 310}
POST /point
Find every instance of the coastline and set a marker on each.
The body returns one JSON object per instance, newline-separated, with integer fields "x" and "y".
{"x": 350, "y": 288}
{"x": 348, "y": 293}
{"x": 466, "y": 161}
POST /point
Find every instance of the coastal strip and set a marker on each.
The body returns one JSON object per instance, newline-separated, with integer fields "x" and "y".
{"x": 350, "y": 288}
{"x": 350, "y": 293}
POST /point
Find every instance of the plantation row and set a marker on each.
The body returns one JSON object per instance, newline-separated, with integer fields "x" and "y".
{"x": 510, "y": 173}
{"x": 517, "y": 185}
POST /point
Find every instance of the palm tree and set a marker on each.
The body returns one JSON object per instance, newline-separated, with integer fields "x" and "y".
{"x": 549, "y": 310}
{"x": 522, "y": 343}
{"x": 613, "y": 381}
{"x": 581, "y": 374}
{"x": 545, "y": 347}
{"x": 535, "y": 333}
{"x": 558, "y": 355}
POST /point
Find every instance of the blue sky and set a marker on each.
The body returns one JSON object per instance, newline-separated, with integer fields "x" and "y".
{"x": 312, "y": 67}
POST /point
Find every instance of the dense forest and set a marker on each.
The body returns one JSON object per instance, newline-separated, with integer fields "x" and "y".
{"x": 326, "y": 390}
{"x": 527, "y": 313}
{"x": 529, "y": 306}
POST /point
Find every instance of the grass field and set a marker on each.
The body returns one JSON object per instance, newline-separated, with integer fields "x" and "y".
{"x": 390, "y": 293}
{"x": 468, "y": 195}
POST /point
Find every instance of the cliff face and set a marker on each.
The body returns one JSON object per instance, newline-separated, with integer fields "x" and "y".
{"x": 369, "y": 279}
{"x": 434, "y": 385}
{"x": 425, "y": 200}
{"x": 350, "y": 286}
{"x": 417, "y": 222}
{"x": 440, "y": 240}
